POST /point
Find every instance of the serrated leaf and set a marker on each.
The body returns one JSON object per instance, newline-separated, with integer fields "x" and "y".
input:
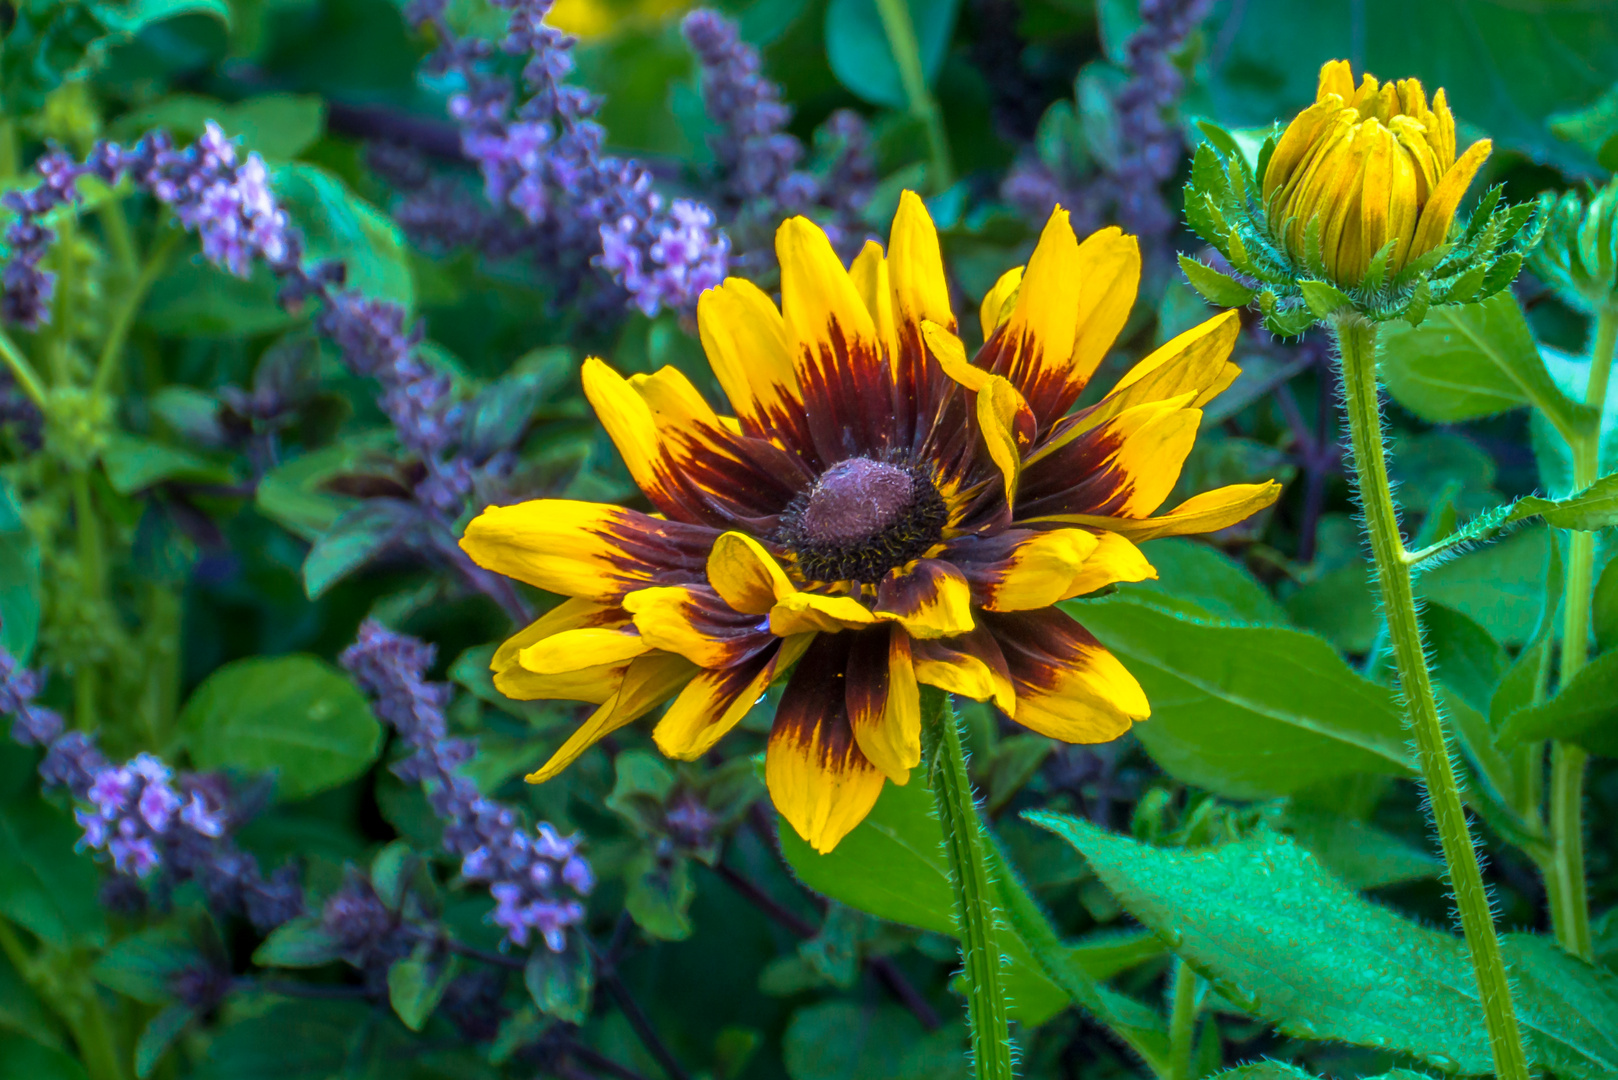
{"x": 1219, "y": 289}
{"x": 1325, "y": 299}
{"x": 1248, "y": 712}
{"x": 1279, "y": 937}
{"x": 1582, "y": 712}
{"x": 1596, "y": 507}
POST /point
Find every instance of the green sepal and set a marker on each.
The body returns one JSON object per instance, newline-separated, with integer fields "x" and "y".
{"x": 1421, "y": 298}
{"x": 1218, "y": 289}
{"x": 1502, "y": 273}
{"x": 1238, "y": 254}
{"x": 1314, "y": 259}
{"x": 1265, "y": 152}
{"x": 1289, "y": 322}
{"x": 1219, "y": 137}
{"x": 1462, "y": 289}
{"x": 1378, "y": 268}
{"x": 1324, "y": 299}
{"x": 1482, "y": 214}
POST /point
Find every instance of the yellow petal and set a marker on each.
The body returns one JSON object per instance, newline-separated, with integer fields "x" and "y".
{"x": 1068, "y": 686}
{"x": 648, "y": 683}
{"x": 574, "y": 650}
{"x": 592, "y": 684}
{"x": 1296, "y": 143}
{"x": 916, "y": 264}
{"x": 664, "y": 616}
{"x": 1439, "y": 214}
{"x": 745, "y": 575}
{"x": 998, "y": 301}
{"x": 1115, "y": 559}
{"x": 1040, "y": 570}
{"x": 869, "y": 273}
{"x": 1204, "y": 513}
{"x": 1336, "y": 77}
{"x": 928, "y": 597}
{"x": 957, "y": 667}
{"x": 558, "y": 545}
{"x": 803, "y": 612}
{"x": 570, "y": 614}
{"x": 715, "y": 701}
{"x": 1195, "y": 360}
{"x": 746, "y": 340}
{"x": 1004, "y": 418}
{"x": 821, "y": 305}
{"x": 1109, "y": 276}
{"x": 884, "y": 703}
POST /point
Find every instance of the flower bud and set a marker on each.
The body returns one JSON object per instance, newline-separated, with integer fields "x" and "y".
{"x": 1579, "y": 258}
{"x": 1351, "y": 211}
{"x": 1366, "y": 168}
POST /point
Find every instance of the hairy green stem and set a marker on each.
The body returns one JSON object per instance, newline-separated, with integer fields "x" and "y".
{"x": 1182, "y": 1022}
{"x": 22, "y": 370}
{"x": 901, "y": 34}
{"x": 1356, "y": 340}
{"x": 1564, "y": 877}
{"x": 967, "y": 849}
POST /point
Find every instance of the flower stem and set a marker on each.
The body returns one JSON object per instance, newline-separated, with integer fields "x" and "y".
{"x": 1564, "y": 877}
{"x": 123, "y": 318}
{"x": 901, "y": 33}
{"x": 1183, "y": 1021}
{"x": 92, "y": 570}
{"x": 969, "y": 874}
{"x": 22, "y": 370}
{"x": 1356, "y": 341}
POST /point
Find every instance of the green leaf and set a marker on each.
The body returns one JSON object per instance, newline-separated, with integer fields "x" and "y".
{"x": 1499, "y": 586}
{"x": 194, "y": 298}
{"x": 19, "y": 579}
{"x": 337, "y": 224}
{"x": 1358, "y": 853}
{"x": 416, "y": 985}
{"x": 660, "y": 895}
{"x": 1279, "y": 937}
{"x": 1604, "y": 608}
{"x": 158, "y": 1036}
{"x": 354, "y": 539}
{"x": 1248, "y": 712}
{"x": 21, "y": 1009}
{"x": 1198, "y": 579}
{"x": 21, "y": 1058}
{"x": 1324, "y": 299}
{"x": 143, "y": 965}
{"x": 841, "y": 1040}
{"x": 1582, "y": 712}
{"x": 1473, "y": 360}
{"x": 293, "y": 1040}
{"x": 1596, "y": 507}
{"x": 857, "y": 46}
{"x": 295, "y": 494}
{"x": 144, "y": 13}
{"x": 300, "y": 943}
{"x": 1218, "y": 289}
{"x": 277, "y": 126}
{"x": 1465, "y": 657}
{"x": 135, "y": 464}
{"x": 561, "y": 983}
{"x": 295, "y": 716}
{"x": 47, "y": 886}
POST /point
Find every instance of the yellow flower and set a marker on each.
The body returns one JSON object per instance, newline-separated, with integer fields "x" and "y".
{"x": 1371, "y": 166}
{"x": 881, "y": 512}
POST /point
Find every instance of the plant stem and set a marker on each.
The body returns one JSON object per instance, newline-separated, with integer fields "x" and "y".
{"x": 1564, "y": 878}
{"x": 129, "y": 305}
{"x": 22, "y": 370}
{"x": 969, "y": 874}
{"x": 1356, "y": 340}
{"x": 901, "y": 33}
{"x": 1183, "y": 1021}
{"x": 93, "y": 578}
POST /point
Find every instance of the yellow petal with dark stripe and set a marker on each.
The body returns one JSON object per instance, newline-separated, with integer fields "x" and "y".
{"x": 1068, "y": 686}
{"x": 649, "y": 682}
{"x": 715, "y": 701}
{"x": 884, "y": 702}
{"x": 818, "y": 777}
{"x": 869, "y": 272}
{"x": 1204, "y": 513}
{"x": 557, "y": 545}
{"x": 1040, "y": 570}
{"x": 1195, "y": 360}
{"x": 1115, "y": 560}
{"x": 970, "y": 665}
{"x": 928, "y": 597}
{"x": 747, "y": 576}
{"x": 746, "y": 340}
{"x": 665, "y": 617}
{"x": 1152, "y": 456}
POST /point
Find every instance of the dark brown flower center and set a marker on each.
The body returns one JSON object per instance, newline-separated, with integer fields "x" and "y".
{"x": 862, "y": 518}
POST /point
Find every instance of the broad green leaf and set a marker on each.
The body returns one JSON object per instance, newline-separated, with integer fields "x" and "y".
{"x": 1472, "y": 360}
{"x": 143, "y": 965}
{"x": 1279, "y": 937}
{"x": 354, "y": 539}
{"x": 135, "y": 464}
{"x": 1604, "y": 608}
{"x": 857, "y": 46}
{"x": 1199, "y": 574}
{"x": 1361, "y": 855}
{"x": 278, "y": 126}
{"x": 21, "y": 1058}
{"x": 158, "y": 1036}
{"x": 296, "y": 494}
{"x": 1499, "y": 586}
{"x": 47, "y": 886}
{"x": 1584, "y": 712}
{"x": 19, "y": 579}
{"x": 561, "y": 983}
{"x": 337, "y": 224}
{"x": 294, "y": 716}
{"x": 1340, "y": 606}
{"x": 892, "y": 865}
{"x": 196, "y": 299}
{"x": 20, "y": 1007}
{"x": 1464, "y": 656}
{"x": 292, "y": 1040}
{"x": 416, "y": 985}
{"x": 1248, "y": 712}
{"x": 141, "y": 14}
{"x": 842, "y": 1040}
